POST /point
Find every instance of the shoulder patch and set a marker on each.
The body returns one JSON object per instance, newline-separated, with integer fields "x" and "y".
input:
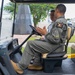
{"x": 60, "y": 25}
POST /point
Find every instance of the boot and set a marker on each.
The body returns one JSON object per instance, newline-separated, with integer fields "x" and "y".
{"x": 16, "y": 68}
{"x": 34, "y": 67}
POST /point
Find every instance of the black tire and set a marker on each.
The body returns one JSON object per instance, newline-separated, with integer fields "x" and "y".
{"x": 1, "y": 73}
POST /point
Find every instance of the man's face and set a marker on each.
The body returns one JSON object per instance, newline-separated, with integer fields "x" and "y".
{"x": 56, "y": 13}
{"x": 52, "y": 16}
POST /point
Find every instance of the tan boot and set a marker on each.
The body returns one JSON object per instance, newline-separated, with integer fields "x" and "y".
{"x": 34, "y": 67}
{"x": 16, "y": 68}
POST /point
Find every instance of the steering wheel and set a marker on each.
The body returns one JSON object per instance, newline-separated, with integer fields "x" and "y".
{"x": 35, "y": 31}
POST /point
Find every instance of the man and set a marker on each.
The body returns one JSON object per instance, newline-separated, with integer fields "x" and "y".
{"x": 33, "y": 61}
{"x": 40, "y": 30}
{"x": 53, "y": 39}
{"x": 52, "y": 17}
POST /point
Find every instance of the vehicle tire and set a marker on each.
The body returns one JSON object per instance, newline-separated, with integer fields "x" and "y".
{"x": 1, "y": 73}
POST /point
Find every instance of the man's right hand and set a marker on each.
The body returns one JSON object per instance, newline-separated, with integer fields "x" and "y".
{"x": 42, "y": 38}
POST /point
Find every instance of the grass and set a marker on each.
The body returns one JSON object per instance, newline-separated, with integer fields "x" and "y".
{"x": 32, "y": 38}
{"x": 69, "y": 50}
{"x": 72, "y": 39}
{"x": 22, "y": 49}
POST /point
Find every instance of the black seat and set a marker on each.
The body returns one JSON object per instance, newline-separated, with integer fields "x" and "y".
{"x": 50, "y": 60}
{"x": 56, "y": 55}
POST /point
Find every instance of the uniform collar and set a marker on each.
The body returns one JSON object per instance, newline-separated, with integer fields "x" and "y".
{"x": 61, "y": 17}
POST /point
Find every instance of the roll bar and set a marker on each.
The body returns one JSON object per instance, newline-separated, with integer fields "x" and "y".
{"x": 1, "y": 15}
{"x": 14, "y": 19}
{"x": 43, "y": 1}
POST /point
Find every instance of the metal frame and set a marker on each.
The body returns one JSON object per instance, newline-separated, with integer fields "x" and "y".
{"x": 14, "y": 20}
{"x": 1, "y": 15}
{"x": 43, "y": 1}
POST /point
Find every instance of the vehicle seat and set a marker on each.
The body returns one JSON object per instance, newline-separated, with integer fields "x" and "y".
{"x": 50, "y": 60}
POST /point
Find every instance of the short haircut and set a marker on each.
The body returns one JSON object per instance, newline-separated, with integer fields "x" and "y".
{"x": 61, "y": 8}
{"x": 52, "y": 10}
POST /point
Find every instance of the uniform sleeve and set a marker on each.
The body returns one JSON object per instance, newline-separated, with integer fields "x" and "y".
{"x": 54, "y": 36}
{"x": 57, "y": 34}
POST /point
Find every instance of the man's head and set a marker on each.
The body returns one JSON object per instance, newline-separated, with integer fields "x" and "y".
{"x": 52, "y": 15}
{"x": 60, "y": 10}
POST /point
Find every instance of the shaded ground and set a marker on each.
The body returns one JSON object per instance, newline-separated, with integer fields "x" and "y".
{"x": 68, "y": 67}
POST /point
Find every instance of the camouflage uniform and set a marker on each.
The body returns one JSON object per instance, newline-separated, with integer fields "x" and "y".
{"x": 52, "y": 40}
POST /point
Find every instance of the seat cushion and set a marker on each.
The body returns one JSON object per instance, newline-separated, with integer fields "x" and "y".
{"x": 53, "y": 55}
{"x": 44, "y": 55}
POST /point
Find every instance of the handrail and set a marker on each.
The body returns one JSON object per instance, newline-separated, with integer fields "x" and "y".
{"x": 43, "y": 1}
{"x": 14, "y": 19}
{"x": 1, "y": 15}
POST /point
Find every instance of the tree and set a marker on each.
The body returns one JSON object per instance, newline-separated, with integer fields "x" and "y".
{"x": 10, "y": 8}
{"x": 39, "y": 11}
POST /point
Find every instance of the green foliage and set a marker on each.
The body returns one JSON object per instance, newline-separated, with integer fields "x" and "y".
{"x": 10, "y": 8}
{"x": 69, "y": 50}
{"x": 39, "y": 11}
{"x": 68, "y": 19}
{"x": 72, "y": 40}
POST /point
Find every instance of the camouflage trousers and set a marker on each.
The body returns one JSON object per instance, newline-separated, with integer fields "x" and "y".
{"x": 33, "y": 49}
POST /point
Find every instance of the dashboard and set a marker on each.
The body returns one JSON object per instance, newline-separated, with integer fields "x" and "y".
{"x": 12, "y": 45}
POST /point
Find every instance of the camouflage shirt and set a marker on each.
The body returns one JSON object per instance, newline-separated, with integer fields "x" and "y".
{"x": 58, "y": 32}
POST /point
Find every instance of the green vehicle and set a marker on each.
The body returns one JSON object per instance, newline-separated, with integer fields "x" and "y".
{"x": 54, "y": 64}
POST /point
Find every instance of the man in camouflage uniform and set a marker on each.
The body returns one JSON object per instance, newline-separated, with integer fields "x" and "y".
{"x": 53, "y": 39}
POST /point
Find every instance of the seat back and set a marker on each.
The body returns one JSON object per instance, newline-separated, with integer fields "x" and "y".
{"x": 70, "y": 33}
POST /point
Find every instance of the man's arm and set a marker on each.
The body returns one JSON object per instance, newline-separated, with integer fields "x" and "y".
{"x": 56, "y": 35}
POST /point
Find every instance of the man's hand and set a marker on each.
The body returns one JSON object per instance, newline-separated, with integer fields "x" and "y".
{"x": 42, "y": 31}
{"x": 42, "y": 37}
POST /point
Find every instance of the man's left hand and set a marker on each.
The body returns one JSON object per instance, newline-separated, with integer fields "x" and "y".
{"x": 42, "y": 31}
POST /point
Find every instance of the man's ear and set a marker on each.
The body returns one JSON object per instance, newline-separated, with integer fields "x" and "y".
{"x": 57, "y": 10}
